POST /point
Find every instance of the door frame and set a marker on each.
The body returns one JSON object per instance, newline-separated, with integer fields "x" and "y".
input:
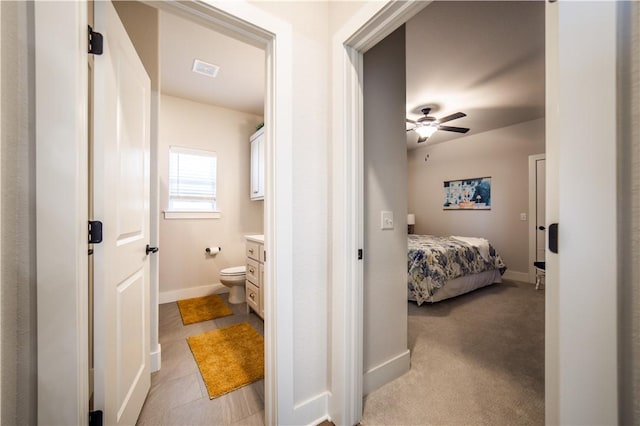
{"x": 372, "y": 23}
{"x": 61, "y": 161}
{"x": 1, "y": 380}
{"x": 563, "y": 394}
{"x": 533, "y": 209}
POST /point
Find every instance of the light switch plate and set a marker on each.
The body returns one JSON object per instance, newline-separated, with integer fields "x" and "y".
{"x": 386, "y": 220}
{"x": 523, "y": 216}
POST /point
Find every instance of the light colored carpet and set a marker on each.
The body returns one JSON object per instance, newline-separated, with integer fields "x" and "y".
{"x": 204, "y": 308}
{"x": 477, "y": 359}
{"x": 228, "y": 358}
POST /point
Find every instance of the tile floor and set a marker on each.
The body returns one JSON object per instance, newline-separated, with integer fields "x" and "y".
{"x": 178, "y": 395}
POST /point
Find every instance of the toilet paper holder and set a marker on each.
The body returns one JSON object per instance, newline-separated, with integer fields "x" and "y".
{"x": 213, "y": 250}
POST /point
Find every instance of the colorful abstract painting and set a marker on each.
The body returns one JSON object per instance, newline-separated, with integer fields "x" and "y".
{"x": 468, "y": 194}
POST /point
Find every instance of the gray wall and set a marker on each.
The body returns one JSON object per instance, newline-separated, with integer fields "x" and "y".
{"x": 629, "y": 206}
{"x": 385, "y": 188}
{"x": 502, "y": 154}
{"x": 18, "y": 216}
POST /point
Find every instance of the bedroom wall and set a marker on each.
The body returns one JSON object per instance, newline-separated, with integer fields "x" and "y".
{"x": 385, "y": 189}
{"x": 503, "y": 155}
{"x": 629, "y": 207}
{"x": 183, "y": 263}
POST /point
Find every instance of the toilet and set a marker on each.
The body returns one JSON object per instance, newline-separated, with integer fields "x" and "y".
{"x": 234, "y": 278}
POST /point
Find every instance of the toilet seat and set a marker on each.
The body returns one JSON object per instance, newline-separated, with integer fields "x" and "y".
{"x": 234, "y": 271}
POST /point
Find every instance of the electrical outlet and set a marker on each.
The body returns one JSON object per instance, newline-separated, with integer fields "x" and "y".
{"x": 523, "y": 216}
{"x": 386, "y": 219}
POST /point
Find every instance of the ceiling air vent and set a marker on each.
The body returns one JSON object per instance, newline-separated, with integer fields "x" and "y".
{"x": 204, "y": 68}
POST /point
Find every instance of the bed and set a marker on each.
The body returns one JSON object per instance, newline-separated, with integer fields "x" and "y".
{"x": 444, "y": 267}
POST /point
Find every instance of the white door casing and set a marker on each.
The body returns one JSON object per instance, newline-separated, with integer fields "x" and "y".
{"x": 121, "y": 201}
{"x": 372, "y": 22}
{"x": 540, "y": 209}
{"x": 582, "y": 278}
{"x": 61, "y": 101}
{"x": 537, "y": 204}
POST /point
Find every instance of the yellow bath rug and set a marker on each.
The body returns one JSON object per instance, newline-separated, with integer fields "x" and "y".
{"x": 203, "y": 309}
{"x": 228, "y": 358}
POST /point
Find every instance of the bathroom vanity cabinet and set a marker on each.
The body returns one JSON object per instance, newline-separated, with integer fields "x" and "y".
{"x": 255, "y": 274}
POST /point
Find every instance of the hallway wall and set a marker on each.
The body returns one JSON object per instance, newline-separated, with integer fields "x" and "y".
{"x": 309, "y": 189}
{"x": 18, "y": 228}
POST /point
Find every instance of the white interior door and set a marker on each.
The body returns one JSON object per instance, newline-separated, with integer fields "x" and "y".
{"x": 121, "y": 202}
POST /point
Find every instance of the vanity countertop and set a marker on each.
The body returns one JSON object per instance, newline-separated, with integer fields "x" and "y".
{"x": 255, "y": 238}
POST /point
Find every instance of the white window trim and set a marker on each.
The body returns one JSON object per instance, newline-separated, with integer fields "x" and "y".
{"x": 179, "y": 214}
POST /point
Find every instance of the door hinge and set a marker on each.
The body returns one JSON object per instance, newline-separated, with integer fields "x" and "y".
{"x": 360, "y": 254}
{"x": 95, "y": 42}
{"x": 95, "y": 232}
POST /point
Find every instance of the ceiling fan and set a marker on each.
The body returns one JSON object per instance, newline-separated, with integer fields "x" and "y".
{"x": 428, "y": 125}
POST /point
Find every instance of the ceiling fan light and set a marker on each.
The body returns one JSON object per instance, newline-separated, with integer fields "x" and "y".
{"x": 426, "y": 131}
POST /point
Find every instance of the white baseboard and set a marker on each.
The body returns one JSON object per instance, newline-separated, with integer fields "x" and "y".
{"x": 312, "y": 411}
{"x": 516, "y": 276}
{"x": 156, "y": 359}
{"x": 387, "y": 371}
{"x": 189, "y": 292}
{"x": 320, "y": 420}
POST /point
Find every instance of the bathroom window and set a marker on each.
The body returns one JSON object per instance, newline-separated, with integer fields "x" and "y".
{"x": 192, "y": 184}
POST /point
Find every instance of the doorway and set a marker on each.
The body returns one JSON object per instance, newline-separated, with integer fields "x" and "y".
{"x": 68, "y": 284}
{"x": 472, "y": 154}
{"x": 575, "y": 21}
{"x": 196, "y": 114}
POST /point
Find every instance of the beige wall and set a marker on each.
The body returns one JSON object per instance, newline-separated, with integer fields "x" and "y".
{"x": 341, "y": 11}
{"x": 503, "y": 155}
{"x": 141, "y": 23}
{"x": 309, "y": 186}
{"x": 19, "y": 393}
{"x": 183, "y": 262}
{"x": 385, "y": 189}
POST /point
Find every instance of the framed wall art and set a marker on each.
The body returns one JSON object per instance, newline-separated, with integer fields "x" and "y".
{"x": 467, "y": 194}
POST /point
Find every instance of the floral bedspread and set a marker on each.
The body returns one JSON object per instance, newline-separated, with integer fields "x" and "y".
{"x": 434, "y": 260}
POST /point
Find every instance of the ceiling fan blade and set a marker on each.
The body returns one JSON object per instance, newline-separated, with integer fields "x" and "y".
{"x": 454, "y": 129}
{"x": 411, "y": 121}
{"x": 452, "y": 117}
{"x": 422, "y": 139}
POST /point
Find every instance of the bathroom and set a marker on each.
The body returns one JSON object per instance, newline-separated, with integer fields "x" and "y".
{"x": 186, "y": 268}
{"x": 214, "y": 117}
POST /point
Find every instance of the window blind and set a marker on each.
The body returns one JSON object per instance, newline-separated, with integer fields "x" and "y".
{"x": 192, "y": 180}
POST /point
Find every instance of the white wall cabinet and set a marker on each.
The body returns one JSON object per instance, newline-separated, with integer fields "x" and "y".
{"x": 257, "y": 165}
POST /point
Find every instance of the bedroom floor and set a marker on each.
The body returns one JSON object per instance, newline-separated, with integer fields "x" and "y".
{"x": 475, "y": 359}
